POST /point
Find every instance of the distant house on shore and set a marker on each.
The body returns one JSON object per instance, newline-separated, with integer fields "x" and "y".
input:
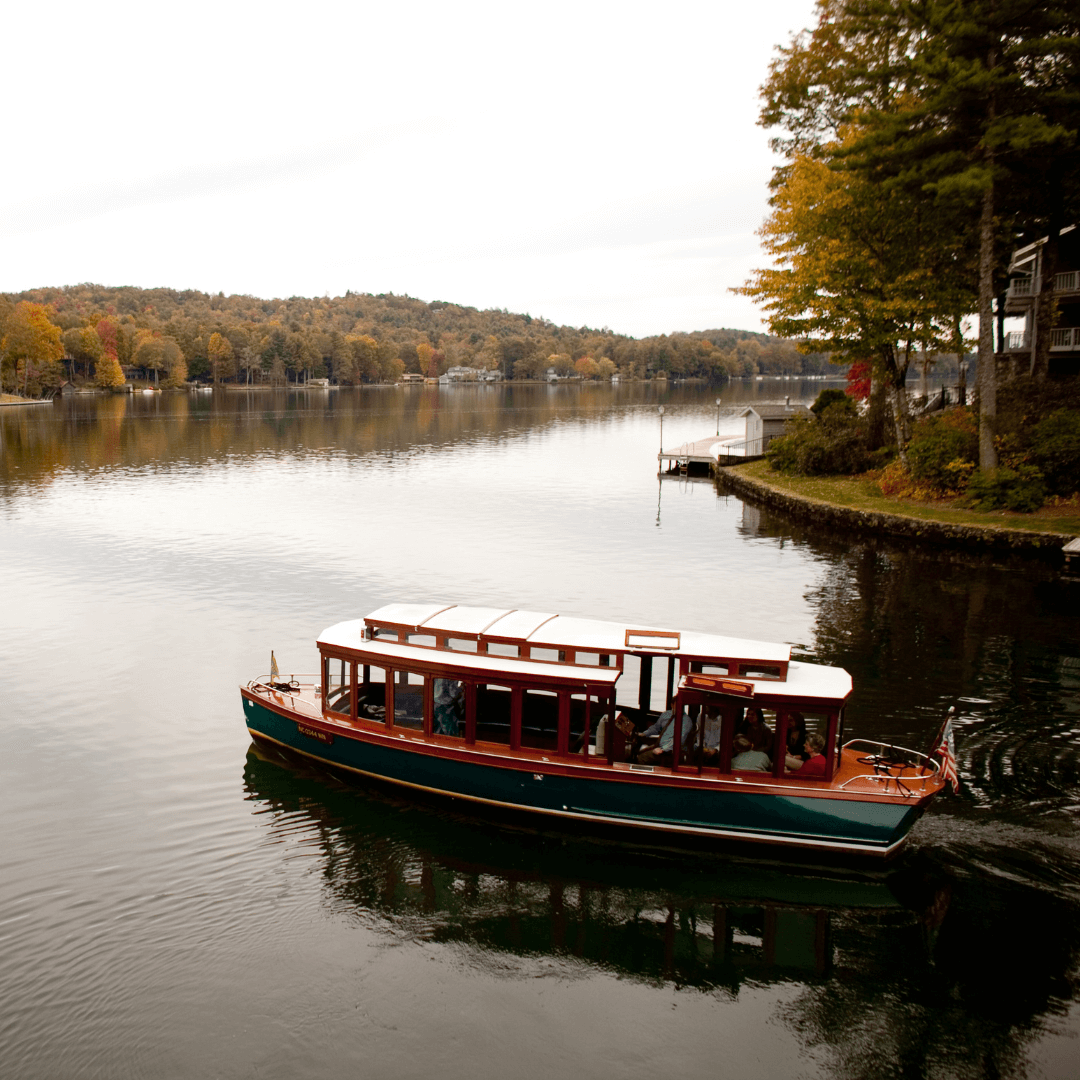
{"x": 469, "y": 374}
{"x": 1025, "y": 284}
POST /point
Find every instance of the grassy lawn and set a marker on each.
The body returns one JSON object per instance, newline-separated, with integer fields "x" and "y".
{"x": 858, "y": 493}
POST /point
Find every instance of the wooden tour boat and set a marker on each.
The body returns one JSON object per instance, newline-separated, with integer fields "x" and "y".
{"x": 561, "y": 716}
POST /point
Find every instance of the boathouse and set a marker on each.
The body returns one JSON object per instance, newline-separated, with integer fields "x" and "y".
{"x": 765, "y": 422}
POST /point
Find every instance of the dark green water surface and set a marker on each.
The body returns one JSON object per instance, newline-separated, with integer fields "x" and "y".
{"x": 175, "y": 904}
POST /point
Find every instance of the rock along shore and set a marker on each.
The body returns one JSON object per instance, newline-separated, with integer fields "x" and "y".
{"x": 974, "y": 537}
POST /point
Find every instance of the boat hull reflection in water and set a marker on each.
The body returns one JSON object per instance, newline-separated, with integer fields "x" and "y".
{"x": 445, "y": 878}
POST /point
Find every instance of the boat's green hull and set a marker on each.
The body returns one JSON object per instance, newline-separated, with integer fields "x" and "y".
{"x": 841, "y": 824}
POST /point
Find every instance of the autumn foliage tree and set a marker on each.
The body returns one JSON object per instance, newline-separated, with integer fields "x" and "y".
{"x": 858, "y": 270}
{"x": 31, "y": 350}
{"x": 108, "y": 373}
{"x": 219, "y": 350}
{"x": 157, "y": 353}
{"x": 968, "y": 108}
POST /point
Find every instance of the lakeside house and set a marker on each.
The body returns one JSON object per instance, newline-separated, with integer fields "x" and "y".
{"x": 1022, "y": 299}
{"x": 469, "y": 374}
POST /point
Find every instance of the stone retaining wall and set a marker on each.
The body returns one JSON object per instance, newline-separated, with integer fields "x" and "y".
{"x": 978, "y": 537}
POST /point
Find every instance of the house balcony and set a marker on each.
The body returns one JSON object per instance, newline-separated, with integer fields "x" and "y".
{"x": 1024, "y": 287}
{"x": 1063, "y": 339}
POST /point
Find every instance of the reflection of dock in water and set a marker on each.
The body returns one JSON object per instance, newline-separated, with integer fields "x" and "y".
{"x": 441, "y": 878}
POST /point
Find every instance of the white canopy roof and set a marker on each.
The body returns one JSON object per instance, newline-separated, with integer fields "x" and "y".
{"x": 543, "y": 628}
{"x": 350, "y": 635}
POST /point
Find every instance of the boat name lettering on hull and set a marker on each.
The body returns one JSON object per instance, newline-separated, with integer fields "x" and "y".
{"x": 314, "y": 733}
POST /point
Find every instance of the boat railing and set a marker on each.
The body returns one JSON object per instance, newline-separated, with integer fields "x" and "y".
{"x": 293, "y": 686}
{"x": 890, "y": 765}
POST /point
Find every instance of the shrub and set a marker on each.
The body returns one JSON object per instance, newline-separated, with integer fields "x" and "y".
{"x": 830, "y": 397}
{"x": 943, "y": 450}
{"x": 1055, "y": 449}
{"x": 834, "y": 443}
{"x": 1021, "y": 489}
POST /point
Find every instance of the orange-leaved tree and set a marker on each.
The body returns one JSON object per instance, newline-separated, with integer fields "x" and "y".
{"x": 31, "y": 349}
{"x": 108, "y": 373}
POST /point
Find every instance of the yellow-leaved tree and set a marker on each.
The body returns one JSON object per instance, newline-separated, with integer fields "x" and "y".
{"x": 859, "y": 270}
{"x": 219, "y": 352}
{"x": 31, "y": 350}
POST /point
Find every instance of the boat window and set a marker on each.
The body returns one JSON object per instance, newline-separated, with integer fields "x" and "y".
{"x": 385, "y": 633}
{"x": 586, "y": 711}
{"x": 493, "y": 708}
{"x": 499, "y": 648}
{"x": 449, "y": 708}
{"x": 641, "y": 687}
{"x": 587, "y": 659}
{"x": 799, "y": 727}
{"x": 408, "y": 700}
{"x": 753, "y": 740}
{"x": 551, "y": 655}
{"x": 371, "y": 693}
{"x": 337, "y": 681}
{"x": 759, "y": 671}
{"x": 427, "y": 640}
{"x": 540, "y": 720}
{"x": 461, "y": 644}
{"x": 709, "y": 669}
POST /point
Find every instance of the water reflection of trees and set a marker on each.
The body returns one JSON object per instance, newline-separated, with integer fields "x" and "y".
{"x": 929, "y": 970}
{"x": 88, "y": 432}
{"x": 921, "y": 628}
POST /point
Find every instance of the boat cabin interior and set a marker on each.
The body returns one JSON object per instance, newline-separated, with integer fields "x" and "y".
{"x": 574, "y": 690}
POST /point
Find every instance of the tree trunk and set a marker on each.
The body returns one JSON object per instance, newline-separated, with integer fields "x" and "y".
{"x": 987, "y": 365}
{"x": 898, "y": 396}
{"x": 875, "y": 417}
{"x": 897, "y": 392}
{"x": 1044, "y": 303}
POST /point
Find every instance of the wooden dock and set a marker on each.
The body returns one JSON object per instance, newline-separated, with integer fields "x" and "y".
{"x": 707, "y": 455}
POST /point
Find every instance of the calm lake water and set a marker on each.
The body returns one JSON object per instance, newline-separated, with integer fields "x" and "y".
{"x": 174, "y": 904}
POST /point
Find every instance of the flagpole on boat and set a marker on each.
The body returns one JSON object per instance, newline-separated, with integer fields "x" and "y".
{"x": 943, "y": 745}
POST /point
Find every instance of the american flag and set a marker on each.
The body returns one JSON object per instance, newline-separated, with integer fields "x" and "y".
{"x": 947, "y": 750}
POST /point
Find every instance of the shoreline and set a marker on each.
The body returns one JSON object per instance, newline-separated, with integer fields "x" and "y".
{"x": 981, "y": 537}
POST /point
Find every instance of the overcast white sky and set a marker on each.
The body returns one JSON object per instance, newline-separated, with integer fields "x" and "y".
{"x": 595, "y": 163}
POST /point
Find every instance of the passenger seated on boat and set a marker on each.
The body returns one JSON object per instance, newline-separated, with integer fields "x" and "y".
{"x": 449, "y": 707}
{"x": 664, "y": 731}
{"x": 815, "y": 765}
{"x": 796, "y": 742}
{"x": 755, "y": 729}
{"x": 711, "y": 721}
{"x": 747, "y": 758}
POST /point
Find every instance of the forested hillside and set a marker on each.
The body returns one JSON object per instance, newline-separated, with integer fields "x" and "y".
{"x": 104, "y": 334}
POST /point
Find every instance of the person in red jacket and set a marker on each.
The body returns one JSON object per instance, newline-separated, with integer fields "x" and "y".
{"x": 814, "y": 744}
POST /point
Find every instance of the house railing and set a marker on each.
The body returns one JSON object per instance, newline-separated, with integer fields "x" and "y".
{"x": 1028, "y": 286}
{"x": 1063, "y": 339}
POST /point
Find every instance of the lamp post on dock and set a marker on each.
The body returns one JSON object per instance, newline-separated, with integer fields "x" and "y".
{"x": 661, "y": 412}
{"x": 717, "y": 416}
